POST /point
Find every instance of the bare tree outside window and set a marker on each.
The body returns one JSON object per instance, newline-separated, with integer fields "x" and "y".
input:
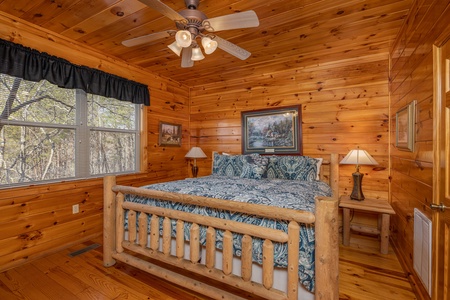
{"x": 42, "y": 126}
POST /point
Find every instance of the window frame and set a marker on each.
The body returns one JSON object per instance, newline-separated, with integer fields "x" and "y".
{"x": 82, "y": 140}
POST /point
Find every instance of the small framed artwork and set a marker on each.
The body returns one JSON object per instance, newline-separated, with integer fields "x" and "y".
{"x": 272, "y": 131}
{"x": 405, "y": 120}
{"x": 169, "y": 134}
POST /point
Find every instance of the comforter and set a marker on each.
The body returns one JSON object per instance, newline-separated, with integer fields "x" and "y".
{"x": 293, "y": 194}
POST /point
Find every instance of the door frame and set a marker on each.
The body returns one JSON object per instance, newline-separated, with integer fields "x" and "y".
{"x": 438, "y": 160}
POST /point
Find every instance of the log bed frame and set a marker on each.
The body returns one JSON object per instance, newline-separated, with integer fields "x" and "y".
{"x": 132, "y": 249}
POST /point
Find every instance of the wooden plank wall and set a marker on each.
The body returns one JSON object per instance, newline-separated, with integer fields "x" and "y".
{"x": 37, "y": 220}
{"x": 412, "y": 79}
{"x": 344, "y": 105}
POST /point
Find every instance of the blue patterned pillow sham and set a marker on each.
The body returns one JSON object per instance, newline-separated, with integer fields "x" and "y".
{"x": 254, "y": 167}
{"x": 229, "y": 165}
{"x": 292, "y": 168}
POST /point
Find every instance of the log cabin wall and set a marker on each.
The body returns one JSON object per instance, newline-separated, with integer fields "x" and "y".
{"x": 411, "y": 78}
{"x": 37, "y": 220}
{"x": 344, "y": 105}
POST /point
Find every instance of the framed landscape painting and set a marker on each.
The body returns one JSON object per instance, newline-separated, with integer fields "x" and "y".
{"x": 272, "y": 131}
{"x": 405, "y": 120}
{"x": 169, "y": 134}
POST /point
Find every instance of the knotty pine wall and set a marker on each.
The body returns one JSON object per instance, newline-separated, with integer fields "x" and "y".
{"x": 37, "y": 220}
{"x": 344, "y": 105}
{"x": 412, "y": 79}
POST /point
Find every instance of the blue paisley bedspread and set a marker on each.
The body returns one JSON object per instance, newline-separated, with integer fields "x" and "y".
{"x": 291, "y": 194}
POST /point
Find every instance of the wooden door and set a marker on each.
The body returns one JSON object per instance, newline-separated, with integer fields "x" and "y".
{"x": 441, "y": 173}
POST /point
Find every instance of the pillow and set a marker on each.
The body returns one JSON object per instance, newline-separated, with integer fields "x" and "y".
{"x": 229, "y": 165}
{"x": 254, "y": 167}
{"x": 292, "y": 168}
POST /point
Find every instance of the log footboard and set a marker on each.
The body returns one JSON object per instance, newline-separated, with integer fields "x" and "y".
{"x": 156, "y": 242}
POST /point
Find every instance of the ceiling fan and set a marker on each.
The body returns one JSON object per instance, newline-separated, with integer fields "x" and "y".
{"x": 193, "y": 24}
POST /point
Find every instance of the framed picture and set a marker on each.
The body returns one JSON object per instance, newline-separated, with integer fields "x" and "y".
{"x": 272, "y": 131}
{"x": 405, "y": 120}
{"x": 169, "y": 134}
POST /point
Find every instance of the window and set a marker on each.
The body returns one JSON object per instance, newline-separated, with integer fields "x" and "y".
{"x": 52, "y": 133}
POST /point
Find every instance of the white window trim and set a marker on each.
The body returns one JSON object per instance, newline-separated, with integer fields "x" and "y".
{"x": 82, "y": 147}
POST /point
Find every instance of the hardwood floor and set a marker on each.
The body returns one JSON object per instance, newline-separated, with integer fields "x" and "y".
{"x": 364, "y": 274}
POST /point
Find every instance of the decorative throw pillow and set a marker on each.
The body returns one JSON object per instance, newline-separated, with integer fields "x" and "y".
{"x": 229, "y": 165}
{"x": 292, "y": 168}
{"x": 272, "y": 171}
{"x": 254, "y": 167}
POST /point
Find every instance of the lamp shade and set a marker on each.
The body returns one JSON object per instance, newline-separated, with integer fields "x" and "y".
{"x": 175, "y": 48}
{"x": 183, "y": 38}
{"x": 195, "y": 152}
{"x": 358, "y": 157}
{"x": 197, "y": 54}
{"x": 209, "y": 45}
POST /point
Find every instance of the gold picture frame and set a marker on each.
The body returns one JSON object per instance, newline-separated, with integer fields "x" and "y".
{"x": 405, "y": 121}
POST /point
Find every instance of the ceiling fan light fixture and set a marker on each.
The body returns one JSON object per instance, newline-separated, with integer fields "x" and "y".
{"x": 197, "y": 54}
{"x": 183, "y": 38}
{"x": 175, "y": 48}
{"x": 209, "y": 45}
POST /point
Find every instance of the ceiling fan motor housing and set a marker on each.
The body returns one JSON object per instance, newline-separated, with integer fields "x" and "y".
{"x": 191, "y": 4}
{"x": 194, "y": 21}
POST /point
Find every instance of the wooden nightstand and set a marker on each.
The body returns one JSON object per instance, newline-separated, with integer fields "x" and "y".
{"x": 382, "y": 207}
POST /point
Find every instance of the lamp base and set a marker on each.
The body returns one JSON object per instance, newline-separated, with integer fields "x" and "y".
{"x": 194, "y": 171}
{"x": 357, "y": 193}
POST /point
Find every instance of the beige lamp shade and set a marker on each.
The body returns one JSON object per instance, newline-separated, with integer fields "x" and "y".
{"x": 358, "y": 157}
{"x": 195, "y": 152}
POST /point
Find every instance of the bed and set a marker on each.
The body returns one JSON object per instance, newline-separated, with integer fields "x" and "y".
{"x": 217, "y": 242}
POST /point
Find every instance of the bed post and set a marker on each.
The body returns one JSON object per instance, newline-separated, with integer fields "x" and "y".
{"x": 327, "y": 239}
{"x": 334, "y": 174}
{"x": 327, "y": 249}
{"x": 109, "y": 216}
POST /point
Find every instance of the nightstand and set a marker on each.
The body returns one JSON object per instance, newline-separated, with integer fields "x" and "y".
{"x": 381, "y": 207}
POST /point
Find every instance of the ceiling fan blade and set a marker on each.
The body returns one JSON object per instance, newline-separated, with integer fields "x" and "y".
{"x": 186, "y": 61}
{"x": 165, "y": 10}
{"x": 244, "y": 19}
{"x": 232, "y": 48}
{"x": 148, "y": 38}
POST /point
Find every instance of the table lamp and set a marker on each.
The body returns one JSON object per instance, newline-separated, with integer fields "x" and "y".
{"x": 195, "y": 152}
{"x": 358, "y": 157}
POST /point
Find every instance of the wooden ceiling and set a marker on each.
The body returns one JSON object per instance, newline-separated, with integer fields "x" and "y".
{"x": 293, "y": 34}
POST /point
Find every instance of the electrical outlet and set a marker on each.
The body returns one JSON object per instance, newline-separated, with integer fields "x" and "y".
{"x": 75, "y": 208}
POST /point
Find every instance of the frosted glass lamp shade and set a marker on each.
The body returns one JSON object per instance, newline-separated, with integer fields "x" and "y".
{"x": 183, "y": 38}
{"x": 175, "y": 48}
{"x": 209, "y": 45}
{"x": 197, "y": 54}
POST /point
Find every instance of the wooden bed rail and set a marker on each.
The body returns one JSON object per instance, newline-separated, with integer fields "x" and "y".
{"x": 157, "y": 243}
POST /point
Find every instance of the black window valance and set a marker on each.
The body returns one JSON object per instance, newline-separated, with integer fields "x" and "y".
{"x": 29, "y": 64}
